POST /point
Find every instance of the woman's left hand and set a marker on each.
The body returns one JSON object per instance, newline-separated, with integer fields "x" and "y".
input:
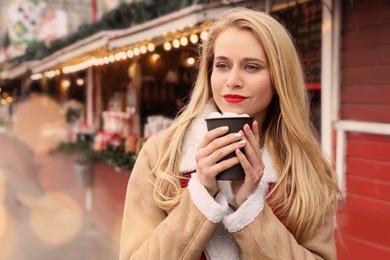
{"x": 251, "y": 163}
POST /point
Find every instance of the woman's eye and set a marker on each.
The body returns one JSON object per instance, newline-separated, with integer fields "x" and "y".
{"x": 221, "y": 65}
{"x": 252, "y": 67}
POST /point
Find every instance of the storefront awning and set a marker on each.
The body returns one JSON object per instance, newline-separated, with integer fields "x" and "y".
{"x": 76, "y": 50}
{"x": 186, "y": 17}
{"x": 106, "y": 41}
{"x": 17, "y": 71}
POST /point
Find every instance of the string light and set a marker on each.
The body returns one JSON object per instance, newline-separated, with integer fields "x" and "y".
{"x": 130, "y": 53}
{"x": 176, "y": 43}
{"x": 191, "y": 61}
{"x": 36, "y": 76}
{"x": 151, "y": 47}
{"x": 65, "y": 84}
{"x": 155, "y": 57}
{"x": 194, "y": 38}
{"x": 167, "y": 46}
{"x": 80, "y": 82}
{"x": 184, "y": 41}
{"x": 203, "y": 35}
{"x": 143, "y": 49}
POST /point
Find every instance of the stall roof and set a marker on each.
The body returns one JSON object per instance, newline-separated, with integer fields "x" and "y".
{"x": 106, "y": 41}
{"x": 120, "y": 38}
{"x": 76, "y": 50}
{"x": 192, "y": 15}
{"x": 17, "y": 71}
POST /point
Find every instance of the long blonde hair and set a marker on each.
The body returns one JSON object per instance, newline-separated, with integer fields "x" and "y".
{"x": 307, "y": 184}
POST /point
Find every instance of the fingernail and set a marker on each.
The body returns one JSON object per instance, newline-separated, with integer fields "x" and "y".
{"x": 242, "y": 142}
{"x": 224, "y": 128}
{"x": 237, "y": 135}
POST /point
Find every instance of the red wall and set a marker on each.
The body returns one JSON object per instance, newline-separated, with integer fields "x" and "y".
{"x": 364, "y": 224}
{"x": 368, "y": 173}
{"x": 365, "y": 61}
{"x": 365, "y": 96}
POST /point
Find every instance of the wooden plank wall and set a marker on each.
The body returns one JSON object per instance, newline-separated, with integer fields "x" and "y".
{"x": 365, "y": 61}
{"x": 365, "y": 96}
{"x": 368, "y": 173}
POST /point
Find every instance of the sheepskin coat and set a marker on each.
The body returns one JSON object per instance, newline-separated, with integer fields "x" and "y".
{"x": 201, "y": 224}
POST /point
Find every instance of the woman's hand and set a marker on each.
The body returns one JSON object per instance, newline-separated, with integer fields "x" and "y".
{"x": 251, "y": 163}
{"x": 211, "y": 150}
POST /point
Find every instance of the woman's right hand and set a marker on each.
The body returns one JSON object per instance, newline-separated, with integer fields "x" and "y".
{"x": 214, "y": 146}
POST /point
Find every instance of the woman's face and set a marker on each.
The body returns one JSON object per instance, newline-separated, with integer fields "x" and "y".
{"x": 240, "y": 79}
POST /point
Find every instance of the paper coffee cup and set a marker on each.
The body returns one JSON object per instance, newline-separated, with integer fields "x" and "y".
{"x": 235, "y": 124}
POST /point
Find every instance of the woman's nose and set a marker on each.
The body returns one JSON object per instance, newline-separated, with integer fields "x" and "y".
{"x": 234, "y": 79}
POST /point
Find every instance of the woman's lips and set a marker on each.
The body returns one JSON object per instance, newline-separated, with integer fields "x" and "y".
{"x": 234, "y": 98}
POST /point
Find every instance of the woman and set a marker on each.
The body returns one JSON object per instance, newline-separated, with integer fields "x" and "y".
{"x": 284, "y": 208}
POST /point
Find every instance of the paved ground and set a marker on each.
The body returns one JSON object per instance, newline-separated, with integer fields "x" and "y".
{"x": 38, "y": 225}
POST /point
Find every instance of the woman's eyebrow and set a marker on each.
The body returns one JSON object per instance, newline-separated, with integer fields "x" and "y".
{"x": 248, "y": 59}
{"x": 255, "y": 60}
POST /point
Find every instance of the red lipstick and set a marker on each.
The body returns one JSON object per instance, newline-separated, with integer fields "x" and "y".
{"x": 232, "y": 98}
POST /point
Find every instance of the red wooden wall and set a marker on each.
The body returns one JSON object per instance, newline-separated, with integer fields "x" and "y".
{"x": 364, "y": 224}
{"x": 365, "y": 96}
{"x": 368, "y": 173}
{"x": 365, "y": 61}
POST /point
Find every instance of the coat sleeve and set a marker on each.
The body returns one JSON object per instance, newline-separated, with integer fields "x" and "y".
{"x": 263, "y": 236}
{"x": 147, "y": 231}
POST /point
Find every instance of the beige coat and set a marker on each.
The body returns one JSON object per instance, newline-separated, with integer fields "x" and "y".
{"x": 200, "y": 223}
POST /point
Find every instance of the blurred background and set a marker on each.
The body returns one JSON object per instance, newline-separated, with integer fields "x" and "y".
{"x": 84, "y": 83}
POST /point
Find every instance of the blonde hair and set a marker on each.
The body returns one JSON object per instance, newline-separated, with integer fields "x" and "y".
{"x": 307, "y": 186}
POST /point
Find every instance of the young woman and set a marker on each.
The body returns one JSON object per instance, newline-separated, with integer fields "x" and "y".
{"x": 284, "y": 209}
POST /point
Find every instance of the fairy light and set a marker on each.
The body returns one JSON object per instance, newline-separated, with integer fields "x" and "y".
{"x": 130, "y": 54}
{"x": 176, "y": 43}
{"x": 151, "y": 47}
{"x": 136, "y": 51}
{"x": 80, "y": 82}
{"x": 203, "y": 35}
{"x": 190, "y": 61}
{"x": 167, "y": 46}
{"x": 155, "y": 57}
{"x": 36, "y": 76}
{"x": 184, "y": 41}
{"x": 65, "y": 84}
{"x": 143, "y": 49}
{"x": 194, "y": 38}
